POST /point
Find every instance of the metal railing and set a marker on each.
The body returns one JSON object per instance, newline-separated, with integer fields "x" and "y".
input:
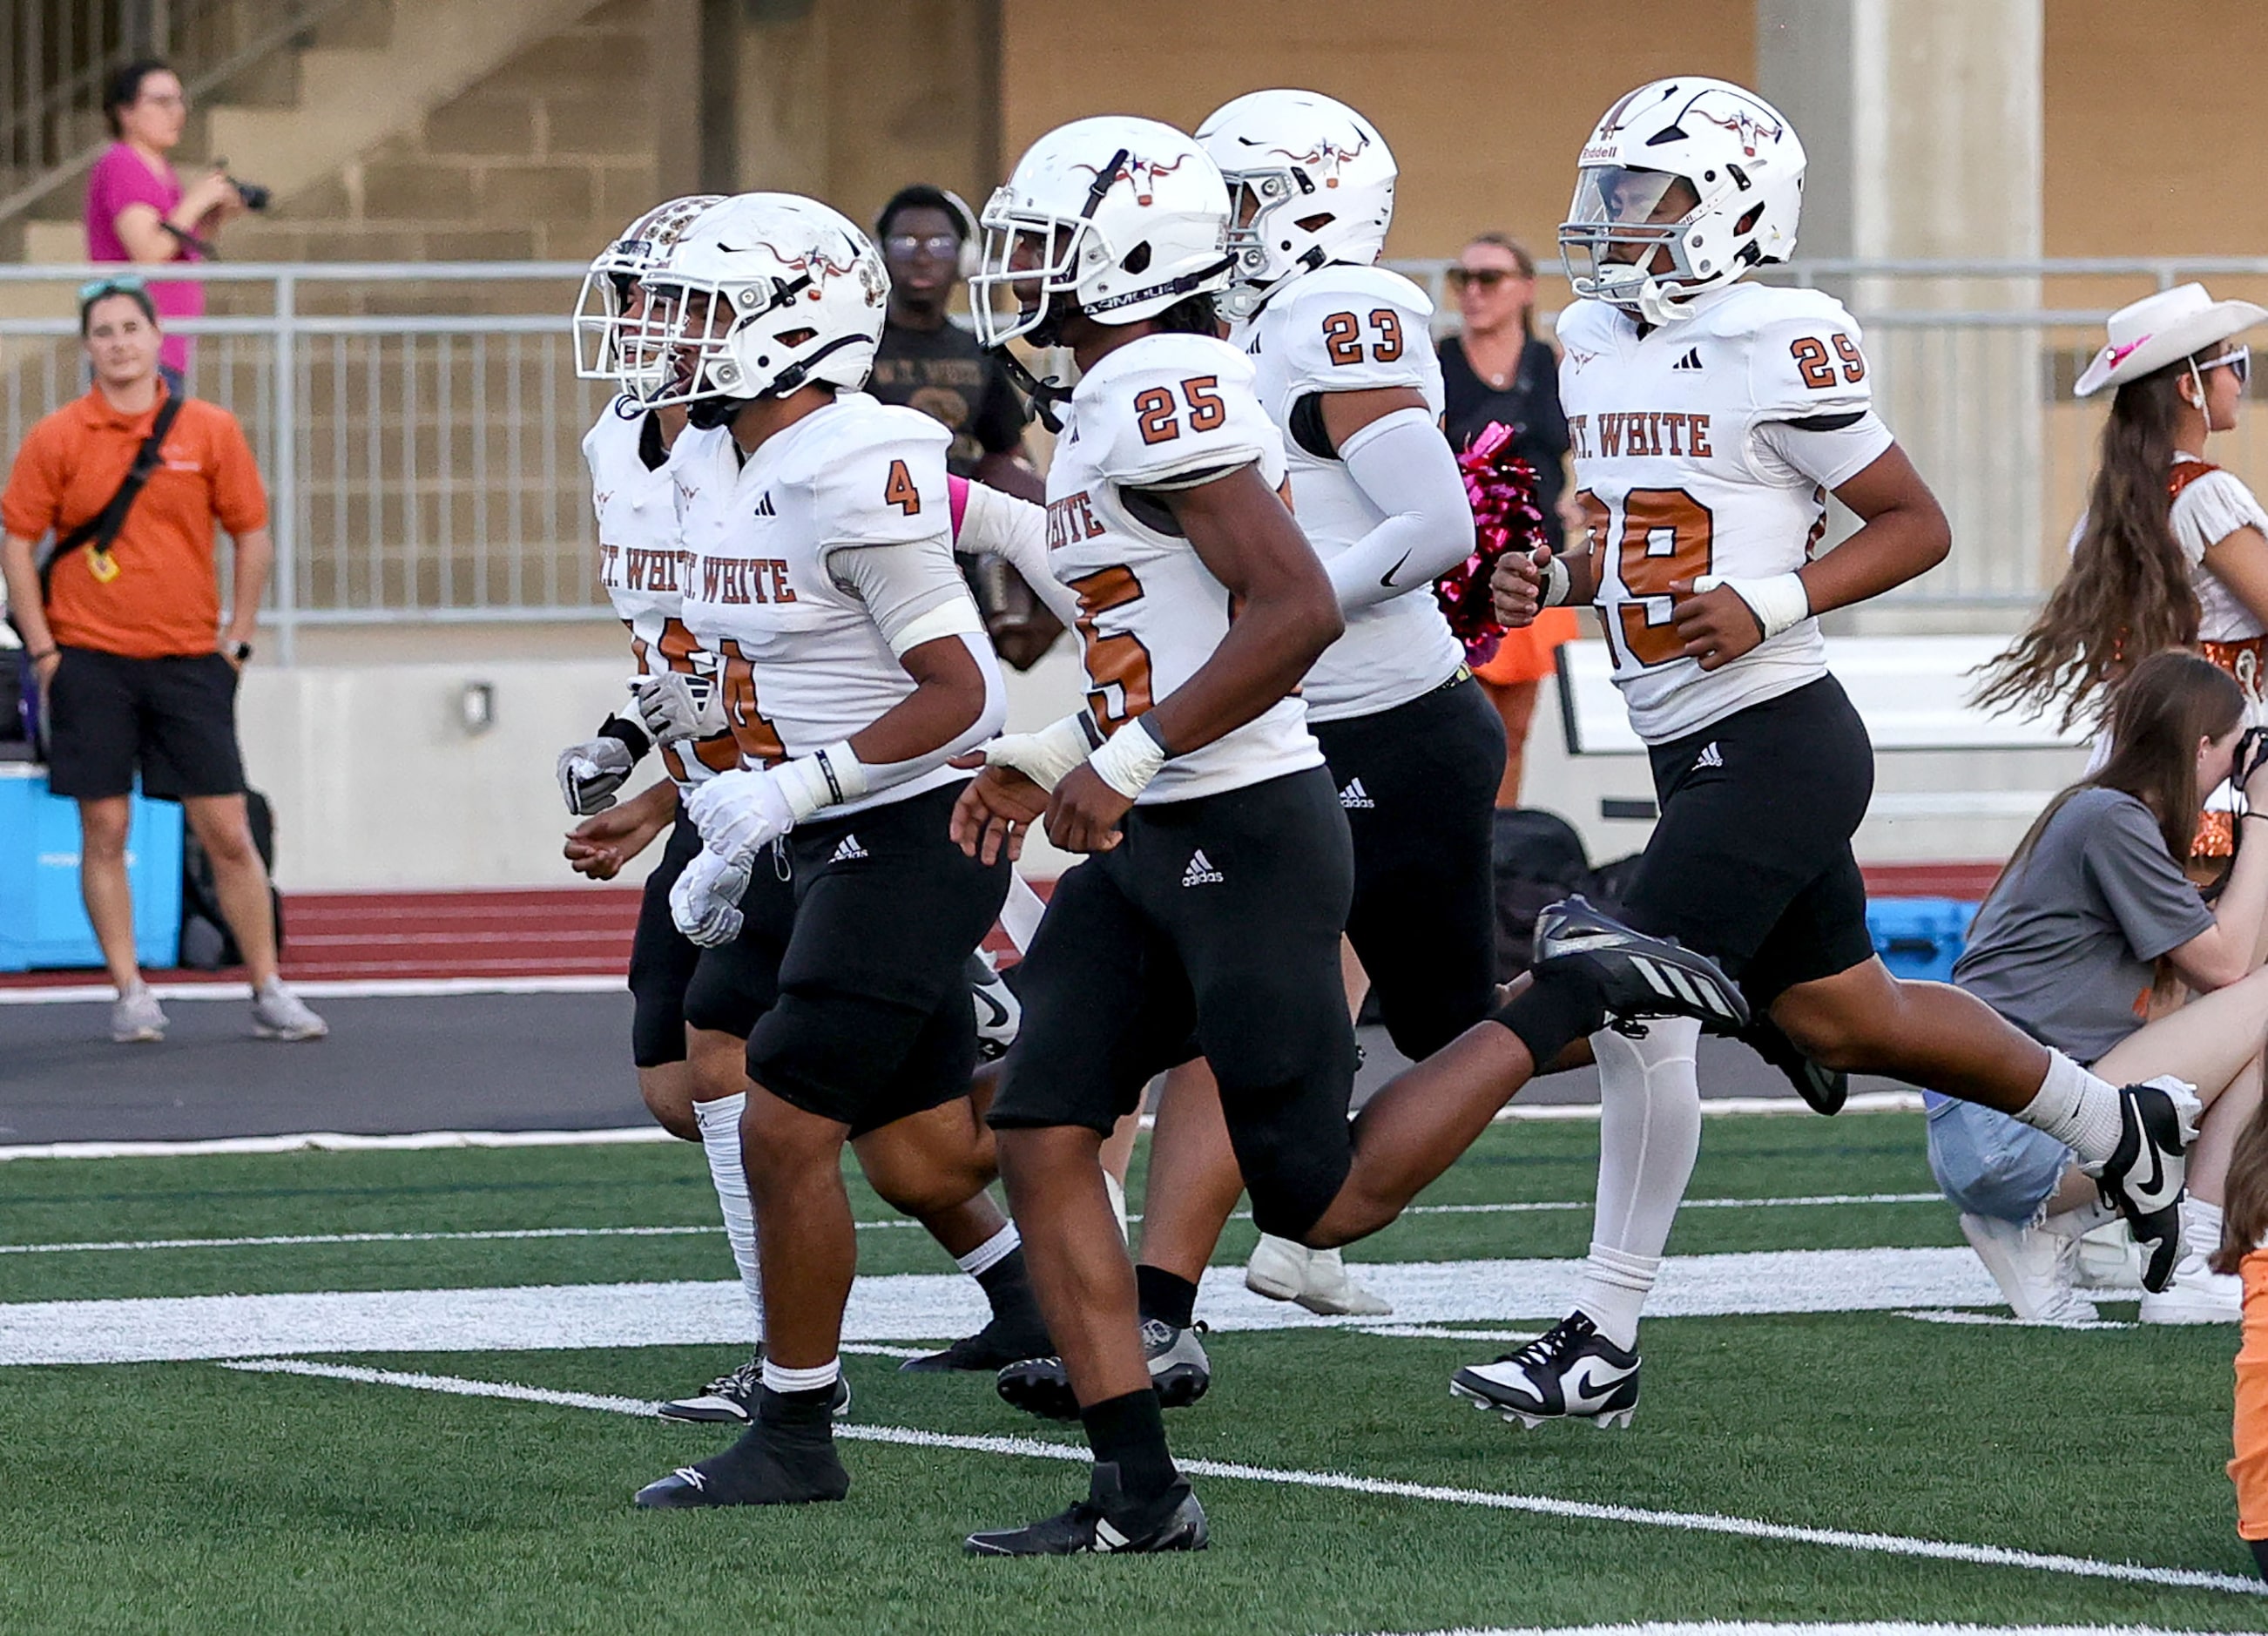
{"x": 419, "y": 425}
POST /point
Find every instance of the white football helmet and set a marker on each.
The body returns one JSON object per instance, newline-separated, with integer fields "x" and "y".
{"x": 608, "y": 288}
{"x": 1736, "y": 153}
{"x": 1122, "y": 217}
{"x": 767, "y": 293}
{"x": 1310, "y": 181}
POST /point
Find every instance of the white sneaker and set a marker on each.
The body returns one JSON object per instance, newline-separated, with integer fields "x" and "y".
{"x": 1316, "y": 1278}
{"x": 136, "y": 1018}
{"x": 2198, "y": 1294}
{"x": 2033, "y": 1268}
{"x": 1116, "y": 1189}
{"x": 277, "y": 1013}
{"x": 2108, "y": 1258}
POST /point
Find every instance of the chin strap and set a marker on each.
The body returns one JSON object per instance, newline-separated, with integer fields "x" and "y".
{"x": 1044, "y": 395}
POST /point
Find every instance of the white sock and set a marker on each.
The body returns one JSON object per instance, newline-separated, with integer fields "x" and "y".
{"x": 2076, "y": 1109}
{"x": 2200, "y": 1228}
{"x": 720, "y": 1140}
{"x": 991, "y": 1252}
{"x": 802, "y": 1380}
{"x": 1649, "y": 1134}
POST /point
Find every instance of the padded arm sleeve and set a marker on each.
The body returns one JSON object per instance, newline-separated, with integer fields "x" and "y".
{"x": 996, "y": 524}
{"x": 1403, "y": 463}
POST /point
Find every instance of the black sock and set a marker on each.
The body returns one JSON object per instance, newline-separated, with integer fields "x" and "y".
{"x": 1129, "y": 1433}
{"x": 1556, "y": 1009}
{"x": 1007, "y": 1285}
{"x": 1166, "y": 1296}
{"x": 815, "y": 1408}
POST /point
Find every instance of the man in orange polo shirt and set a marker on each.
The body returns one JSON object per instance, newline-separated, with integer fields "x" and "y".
{"x": 135, "y": 667}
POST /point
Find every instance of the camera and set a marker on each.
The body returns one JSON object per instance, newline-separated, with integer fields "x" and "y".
{"x": 255, "y": 197}
{"x": 2251, "y": 751}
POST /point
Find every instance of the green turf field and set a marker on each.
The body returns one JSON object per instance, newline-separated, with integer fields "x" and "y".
{"x": 189, "y": 1495}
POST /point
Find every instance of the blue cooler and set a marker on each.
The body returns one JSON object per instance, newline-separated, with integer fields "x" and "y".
{"x": 43, "y": 922}
{"x": 1920, "y": 937}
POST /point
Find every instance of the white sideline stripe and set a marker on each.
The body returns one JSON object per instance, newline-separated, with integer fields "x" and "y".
{"x": 1886, "y": 1627}
{"x": 333, "y": 1141}
{"x": 2002, "y": 1319}
{"x": 1532, "y": 1206}
{"x": 907, "y": 1307}
{"x": 1427, "y": 1333}
{"x": 332, "y": 988}
{"x": 1028, "y": 1448}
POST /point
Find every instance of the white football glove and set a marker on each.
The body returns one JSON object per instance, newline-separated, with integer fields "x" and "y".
{"x": 676, "y": 706}
{"x": 738, "y": 812}
{"x": 705, "y": 902}
{"x": 590, "y": 773}
{"x": 1045, "y": 757}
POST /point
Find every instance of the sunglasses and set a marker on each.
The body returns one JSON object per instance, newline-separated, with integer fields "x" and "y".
{"x": 936, "y": 244}
{"x": 2236, "y": 360}
{"x": 124, "y": 284}
{"x": 1486, "y": 278}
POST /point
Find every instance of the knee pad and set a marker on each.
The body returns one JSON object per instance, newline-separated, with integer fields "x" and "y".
{"x": 657, "y": 1014}
{"x": 861, "y": 1061}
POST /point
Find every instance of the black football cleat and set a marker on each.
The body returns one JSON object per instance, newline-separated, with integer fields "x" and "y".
{"x": 731, "y": 1399}
{"x": 1639, "y": 976}
{"x": 775, "y": 1463}
{"x": 1008, "y": 1338}
{"x": 1570, "y": 1373}
{"x": 1106, "y": 1522}
{"x": 2144, "y": 1175}
{"x": 1179, "y": 1370}
{"x": 1825, "y": 1089}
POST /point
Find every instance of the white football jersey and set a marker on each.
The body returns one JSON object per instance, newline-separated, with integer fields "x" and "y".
{"x": 1676, "y": 477}
{"x": 1161, "y": 412}
{"x": 757, "y": 539}
{"x": 1353, "y": 329}
{"x": 641, "y": 555}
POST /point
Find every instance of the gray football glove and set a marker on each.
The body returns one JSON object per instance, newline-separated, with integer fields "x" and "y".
{"x": 590, "y": 773}
{"x": 705, "y": 902}
{"x": 675, "y": 705}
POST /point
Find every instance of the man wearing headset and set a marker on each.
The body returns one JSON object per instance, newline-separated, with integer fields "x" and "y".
{"x": 927, "y": 361}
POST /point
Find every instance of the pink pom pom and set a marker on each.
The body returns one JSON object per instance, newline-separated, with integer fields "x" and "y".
{"x": 1507, "y": 516}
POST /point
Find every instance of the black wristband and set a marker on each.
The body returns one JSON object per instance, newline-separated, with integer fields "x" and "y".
{"x": 629, "y": 734}
{"x": 1157, "y": 738}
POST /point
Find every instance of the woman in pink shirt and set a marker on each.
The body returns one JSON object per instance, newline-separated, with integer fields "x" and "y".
{"x": 136, "y": 209}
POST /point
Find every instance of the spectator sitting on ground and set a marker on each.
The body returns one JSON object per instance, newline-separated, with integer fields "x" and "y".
{"x": 927, "y": 361}
{"x": 127, "y": 643}
{"x": 136, "y": 209}
{"x": 2069, "y": 946}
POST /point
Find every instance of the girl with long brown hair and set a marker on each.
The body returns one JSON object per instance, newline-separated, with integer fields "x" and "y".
{"x": 2067, "y": 947}
{"x": 2173, "y": 550}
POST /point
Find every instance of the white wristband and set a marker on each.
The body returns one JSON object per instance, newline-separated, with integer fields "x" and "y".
{"x": 1778, "y": 600}
{"x": 1129, "y": 760}
{"x": 826, "y": 777}
{"x": 1557, "y": 584}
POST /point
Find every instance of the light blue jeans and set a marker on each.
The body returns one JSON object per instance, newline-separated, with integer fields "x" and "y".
{"x": 1990, "y": 1164}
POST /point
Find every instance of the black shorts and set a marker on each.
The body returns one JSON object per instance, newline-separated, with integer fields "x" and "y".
{"x": 1212, "y": 928}
{"x": 873, "y": 1020}
{"x": 173, "y": 719}
{"x": 1418, "y": 786}
{"x": 1751, "y": 861}
{"x": 662, "y": 958}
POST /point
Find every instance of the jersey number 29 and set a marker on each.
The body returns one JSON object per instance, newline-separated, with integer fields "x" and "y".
{"x": 1666, "y": 534}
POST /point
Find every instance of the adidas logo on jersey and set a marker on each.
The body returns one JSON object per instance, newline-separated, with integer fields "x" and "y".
{"x": 764, "y": 505}
{"x": 1710, "y": 757}
{"x": 848, "y": 850}
{"x": 1201, "y": 871}
{"x": 1355, "y": 796}
{"x": 1690, "y": 361}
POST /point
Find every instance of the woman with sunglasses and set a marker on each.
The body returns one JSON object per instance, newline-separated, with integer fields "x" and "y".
{"x": 2173, "y": 550}
{"x": 1500, "y": 369}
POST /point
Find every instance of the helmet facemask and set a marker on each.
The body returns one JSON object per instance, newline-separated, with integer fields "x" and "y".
{"x": 714, "y": 348}
{"x": 1627, "y": 241}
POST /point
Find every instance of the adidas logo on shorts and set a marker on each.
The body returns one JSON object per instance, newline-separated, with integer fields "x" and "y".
{"x": 1710, "y": 757}
{"x": 848, "y": 850}
{"x": 1355, "y": 796}
{"x": 1201, "y": 871}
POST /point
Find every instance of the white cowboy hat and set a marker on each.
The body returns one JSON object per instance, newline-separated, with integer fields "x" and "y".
{"x": 2161, "y": 329}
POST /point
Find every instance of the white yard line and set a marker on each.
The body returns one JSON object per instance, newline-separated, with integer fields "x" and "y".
{"x": 2002, "y": 1319}
{"x": 1888, "y": 1627}
{"x": 1033, "y": 1449}
{"x": 907, "y": 1307}
{"x": 1541, "y": 1206}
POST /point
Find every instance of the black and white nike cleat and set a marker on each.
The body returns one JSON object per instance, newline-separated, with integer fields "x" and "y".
{"x": 1105, "y": 1522}
{"x": 1179, "y": 1370}
{"x": 1570, "y": 1373}
{"x": 1825, "y": 1089}
{"x": 773, "y": 1463}
{"x": 2144, "y": 1175}
{"x": 1006, "y": 1339}
{"x": 1640, "y": 976}
{"x": 731, "y": 1399}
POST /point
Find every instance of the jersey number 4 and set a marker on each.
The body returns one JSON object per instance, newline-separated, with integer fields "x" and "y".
{"x": 1666, "y": 534}
{"x": 1118, "y": 666}
{"x": 1159, "y": 417}
{"x": 898, "y": 489}
{"x": 1343, "y": 336}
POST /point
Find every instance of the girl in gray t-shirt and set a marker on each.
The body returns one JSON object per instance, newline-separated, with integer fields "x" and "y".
{"x": 2068, "y": 946}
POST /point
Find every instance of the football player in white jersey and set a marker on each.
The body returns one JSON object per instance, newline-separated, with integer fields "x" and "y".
{"x": 1711, "y": 417}
{"x": 1344, "y": 366}
{"x": 1208, "y": 916}
{"x": 817, "y": 540}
